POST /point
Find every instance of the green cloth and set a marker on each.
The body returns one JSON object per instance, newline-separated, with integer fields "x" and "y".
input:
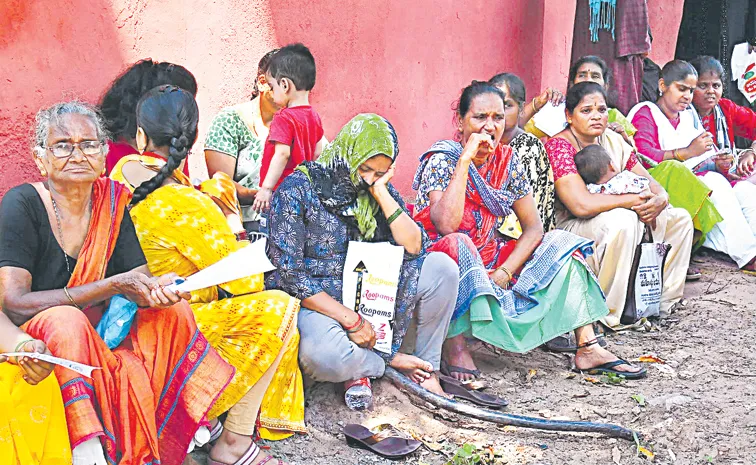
{"x": 687, "y": 191}
{"x": 570, "y": 289}
{"x": 363, "y": 137}
{"x": 616, "y": 116}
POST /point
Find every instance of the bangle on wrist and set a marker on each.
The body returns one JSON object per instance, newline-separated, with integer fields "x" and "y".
{"x": 395, "y": 215}
{"x": 350, "y": 327}
{"x": 355, "y": 329}
{"x": 21, "y": 344}
{"x": 535, "y": 110}
{"x": 70, "y": 299}
{"x": 506, "y": 270}
{"x": 676, "y": 155}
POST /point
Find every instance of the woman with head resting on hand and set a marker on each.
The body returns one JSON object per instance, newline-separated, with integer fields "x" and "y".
{"x": 32, "y": 418}
{"x": 615, "y": 223}
{"x": 670, "y": 129}
{"x": 182, "y": 230}
{"x": 67, "y": 246}
{"x": 346, "y": 196}
{"x": 515, "y": 295}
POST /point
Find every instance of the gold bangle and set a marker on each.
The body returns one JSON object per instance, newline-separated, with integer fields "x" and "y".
{"x": 676, "y": 155}
{"x": 535, "y": 110}
{"x": 506, "y": 270}
{"x": 70, "y": 299}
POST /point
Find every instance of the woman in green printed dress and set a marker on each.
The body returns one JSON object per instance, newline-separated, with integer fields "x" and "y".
{"x": 235, "y": 141}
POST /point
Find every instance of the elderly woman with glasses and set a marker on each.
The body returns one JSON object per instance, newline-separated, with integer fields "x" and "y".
{"x": 67, "y": 247}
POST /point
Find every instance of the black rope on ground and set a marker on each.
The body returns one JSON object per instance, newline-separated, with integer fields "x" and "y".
{"x": 405, "y": 384}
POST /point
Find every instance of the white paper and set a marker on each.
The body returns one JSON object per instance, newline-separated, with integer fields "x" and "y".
{"x": 247, "y": 261}
{"x": 692, "y": 163}
{"x": 550, "y": 119}
{"x": 80, "y": 368}
{"x": 378, "y": 286}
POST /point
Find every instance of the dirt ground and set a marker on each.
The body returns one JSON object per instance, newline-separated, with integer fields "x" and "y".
{"x": 699, "y": 406}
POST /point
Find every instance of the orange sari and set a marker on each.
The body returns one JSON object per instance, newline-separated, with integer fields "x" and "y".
{"x": 147, "y": 400}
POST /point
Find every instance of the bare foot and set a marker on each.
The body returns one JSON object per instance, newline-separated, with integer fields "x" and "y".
{"x": 595, "y": 355}
{"x": 455, "y": 353}
{"x": 230, "y": 447}
{"x": 434, "y": 386}
{"x": 416, "y": 369}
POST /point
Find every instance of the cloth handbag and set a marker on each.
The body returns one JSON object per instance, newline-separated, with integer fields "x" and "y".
{"x": 115, "y": 323}
{"x": 646, "y": 280}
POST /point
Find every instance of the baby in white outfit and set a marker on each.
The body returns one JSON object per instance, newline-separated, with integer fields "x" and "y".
{"x": 601, "y": 176}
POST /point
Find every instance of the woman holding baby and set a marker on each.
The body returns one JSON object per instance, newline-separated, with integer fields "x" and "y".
{"x": 616, "y": 222}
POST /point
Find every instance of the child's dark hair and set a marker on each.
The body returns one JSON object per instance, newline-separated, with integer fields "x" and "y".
{"x": 514, "y": 84}
{"x": 576, "y": 93}
{"x": 677, "y": 70}
{"x": 262, "y": 68}
{"x": 169, "y": 116}
{"x": 592, "y": 163}
{"x": 118, "y": 105}
{"x": 708, "y": 64}
{"x": 296, "y": 63}
{"x": 606, "y": 73}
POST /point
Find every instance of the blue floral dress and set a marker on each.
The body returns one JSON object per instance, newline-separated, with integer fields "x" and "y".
{"x": 308, "y": 244}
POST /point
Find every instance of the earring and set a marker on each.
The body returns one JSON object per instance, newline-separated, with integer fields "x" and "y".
{"x": 43, "y": 172}
{"x": 569, "y": 121}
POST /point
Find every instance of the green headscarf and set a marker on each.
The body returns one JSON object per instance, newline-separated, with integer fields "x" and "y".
{"x": 336, "y": 178}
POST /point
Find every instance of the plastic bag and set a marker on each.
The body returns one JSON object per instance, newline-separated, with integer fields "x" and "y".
{"x": 115, "y": 323}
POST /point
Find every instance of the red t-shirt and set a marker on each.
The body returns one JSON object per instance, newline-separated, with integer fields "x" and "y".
{"x": 299, "y": 128}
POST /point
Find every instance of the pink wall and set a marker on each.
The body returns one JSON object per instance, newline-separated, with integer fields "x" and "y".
{"x": 664, "y": 17}
{"x": 405, "y": 60}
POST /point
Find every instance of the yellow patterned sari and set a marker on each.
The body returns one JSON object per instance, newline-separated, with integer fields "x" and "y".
{"x": 182, "y": 230}
{"x": 32, "y": 421}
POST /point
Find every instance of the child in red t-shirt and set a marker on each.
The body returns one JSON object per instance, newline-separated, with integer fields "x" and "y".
{"x": 296, "y": 133}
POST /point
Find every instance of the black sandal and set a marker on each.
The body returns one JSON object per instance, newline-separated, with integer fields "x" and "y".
{"x": 608, "y": 367}
{"x": 449, "y": 369}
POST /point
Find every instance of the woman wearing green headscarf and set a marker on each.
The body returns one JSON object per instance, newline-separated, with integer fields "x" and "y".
{"x": 346, "y": 196}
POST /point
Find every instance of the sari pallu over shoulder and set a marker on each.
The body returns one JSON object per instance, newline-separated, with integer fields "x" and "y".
{"x": 554, "y": 291}
{"x": 148, "y": 397}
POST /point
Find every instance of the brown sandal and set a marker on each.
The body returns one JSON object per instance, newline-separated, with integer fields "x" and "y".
{"x": 384, "y": 440}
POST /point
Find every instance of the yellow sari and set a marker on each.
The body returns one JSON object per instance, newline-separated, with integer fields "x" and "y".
{"x": 182, "y": 230}
{"x": 32, "y": 421}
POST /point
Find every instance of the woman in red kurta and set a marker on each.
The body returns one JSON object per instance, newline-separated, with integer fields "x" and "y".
{"x": 724, "y": 119}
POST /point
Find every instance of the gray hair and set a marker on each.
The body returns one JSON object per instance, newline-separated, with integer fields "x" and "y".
{"x": 51, "y": 116}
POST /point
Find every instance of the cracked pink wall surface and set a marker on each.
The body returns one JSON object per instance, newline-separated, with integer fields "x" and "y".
{"x": 407, "y": 61}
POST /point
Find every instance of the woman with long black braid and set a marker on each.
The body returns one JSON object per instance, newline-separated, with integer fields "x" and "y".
{"x": 182, "y": 230}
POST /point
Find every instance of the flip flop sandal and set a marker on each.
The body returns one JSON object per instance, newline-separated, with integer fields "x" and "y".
{"x": 247, "y": 458}
{"x": 384, "y": 440}
{"x": 470, "y": 392}
{"x": 692, "y": 275}
{"x": 449, "y": 369}
{"x": 608, "y": 367}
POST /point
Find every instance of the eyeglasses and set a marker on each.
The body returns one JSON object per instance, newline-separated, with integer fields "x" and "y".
{"x": 65, "y": 149}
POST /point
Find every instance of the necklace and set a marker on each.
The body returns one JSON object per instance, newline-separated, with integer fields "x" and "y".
{"x": 580, "y": 146}
{"x": 60, "y": 234}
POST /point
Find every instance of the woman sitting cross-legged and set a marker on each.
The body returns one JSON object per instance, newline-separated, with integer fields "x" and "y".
{"x": 182, "y": 230}
{"x": 465, "y": 189}
{"x": 346, "y": 195}
{"x": 67, "y": 246}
